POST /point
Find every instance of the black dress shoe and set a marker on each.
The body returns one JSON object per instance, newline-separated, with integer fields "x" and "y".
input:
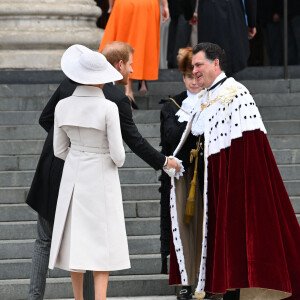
{"x": 185, "y": 293}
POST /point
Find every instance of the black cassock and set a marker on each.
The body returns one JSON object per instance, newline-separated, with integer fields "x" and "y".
{"x": 171, "y": 131}
{"x": 223, "y": 23}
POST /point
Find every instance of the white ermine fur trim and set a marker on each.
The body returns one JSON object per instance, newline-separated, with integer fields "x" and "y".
{"x": 241, "y": 111}
{"x": 176, "y": 235}
{"x": 202, "y": 272}
{"x": 232, "y": 114}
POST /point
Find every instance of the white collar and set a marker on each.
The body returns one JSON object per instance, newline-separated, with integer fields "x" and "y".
{"x": 88, "y": 91}
{"x": 190, "y": 95}
{"x": 187, "y": 106}
{"x": 219, "y": 77}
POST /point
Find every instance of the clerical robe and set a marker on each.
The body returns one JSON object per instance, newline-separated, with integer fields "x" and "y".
{"x": 250, "y": 234}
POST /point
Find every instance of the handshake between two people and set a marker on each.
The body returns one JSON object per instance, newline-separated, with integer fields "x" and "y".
{"x": 173, "y": 167}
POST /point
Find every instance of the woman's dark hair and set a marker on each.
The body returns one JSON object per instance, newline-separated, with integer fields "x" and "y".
{"x": 212, "y": 52}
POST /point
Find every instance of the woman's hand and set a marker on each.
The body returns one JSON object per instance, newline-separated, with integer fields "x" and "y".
{"x": 165, "y": 11}
{"x": 111, "y": 4}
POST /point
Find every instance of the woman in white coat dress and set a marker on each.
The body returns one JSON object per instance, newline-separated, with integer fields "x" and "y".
{"x": 89, "y": 228}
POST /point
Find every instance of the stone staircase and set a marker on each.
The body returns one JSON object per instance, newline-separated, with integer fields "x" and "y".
{"x": 21, "y": 141}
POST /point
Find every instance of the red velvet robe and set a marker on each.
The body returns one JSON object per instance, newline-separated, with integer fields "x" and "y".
{"x": 253, "y": 236}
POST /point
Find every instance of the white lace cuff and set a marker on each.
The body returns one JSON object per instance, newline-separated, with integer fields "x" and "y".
{"x": 171, "y": 172}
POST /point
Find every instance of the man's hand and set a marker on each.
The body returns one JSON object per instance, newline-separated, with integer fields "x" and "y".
{"x": 276, "y": 18}
{"x": 251, "y": 32}
{"x": 194, "y": 19}
{"x": 172, "y": 164}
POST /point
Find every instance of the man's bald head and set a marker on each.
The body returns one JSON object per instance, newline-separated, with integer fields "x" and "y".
{"x": 117, "y": 51}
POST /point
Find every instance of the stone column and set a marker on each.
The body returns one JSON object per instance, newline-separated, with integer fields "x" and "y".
{"x": 35, "y": 33}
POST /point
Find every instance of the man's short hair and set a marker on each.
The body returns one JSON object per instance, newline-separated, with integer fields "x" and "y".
{"x": 212, "y": 52}
{"x": 116, "y": 51}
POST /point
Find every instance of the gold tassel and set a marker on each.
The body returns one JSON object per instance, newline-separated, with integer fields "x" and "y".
{"x": 190, "y": 203}
{"x": 200, "y": 295}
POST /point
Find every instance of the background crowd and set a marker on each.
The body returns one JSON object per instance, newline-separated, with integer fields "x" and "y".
{"x": 266, "y": 48}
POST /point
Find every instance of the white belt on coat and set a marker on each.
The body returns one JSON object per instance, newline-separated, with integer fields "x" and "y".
{"x": 90, "y": 149}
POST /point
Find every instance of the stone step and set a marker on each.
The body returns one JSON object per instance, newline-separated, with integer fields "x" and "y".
{"x": 23, "y": 249}
{"x": 276, "y": 142}
{"x": 20, "y": 162}
{"x": 17, "y": 147}
{"x": 287, "y": 156}
{"x": 58, "y": 288}
{"x": 164, "y": 75}
{"x": 140, "y": 265}
{"x": 173, "y": 297}
{"x": 35, "y": 132}
{"x": 249, "y": 73}
{"x": 35, "y": 105}
{"x": 296, "y": 204}
{"x": 19, "y": 117}
{"x": 154, "y": 88}
{"x": 134, "y": 227}
{"x": 29, "y": 162}
{"x": 289, "y": 172}
{"x": 262, "y": 100}
{"x": 130, "y": 192}
{"x": 27, "y": 117}
{"x": 269, "y": 86}
{"x": 19, "y": 103}
{"x": 277, "y": 99}
{"x": 284, "y": 141}
{"x": 286, "y": 127}
{"x": 127, "y": 175}
{"x": 280, "y": 113}
{"x": 277, "y": 90}
{"x": 29, "y": 147}
{"x": 22, "y": 132}
{"x": 168, "y": 297}
{"x": 27, "y": 229}
{"x": 27, "y": 90}
{"x": 132, "y": 209}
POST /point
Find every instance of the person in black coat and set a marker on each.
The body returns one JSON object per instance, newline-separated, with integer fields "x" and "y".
{"x": 224, "y": 23}
{"x": 179, "y": 32}
{"x": 42, "y": 196}
{"x": 173, "y": 117}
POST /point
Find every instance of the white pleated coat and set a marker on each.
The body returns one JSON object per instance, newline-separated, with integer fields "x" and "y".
{"x": 89, "y": 228}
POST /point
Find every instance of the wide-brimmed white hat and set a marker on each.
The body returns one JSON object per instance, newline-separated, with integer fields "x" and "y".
{"x": 85, "y": 66}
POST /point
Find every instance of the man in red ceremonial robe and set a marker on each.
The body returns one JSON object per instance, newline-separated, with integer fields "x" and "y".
{"x": 244, "y": 234}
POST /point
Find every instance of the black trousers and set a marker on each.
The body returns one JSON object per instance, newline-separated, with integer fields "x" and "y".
{"x": 179, "y": 36}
